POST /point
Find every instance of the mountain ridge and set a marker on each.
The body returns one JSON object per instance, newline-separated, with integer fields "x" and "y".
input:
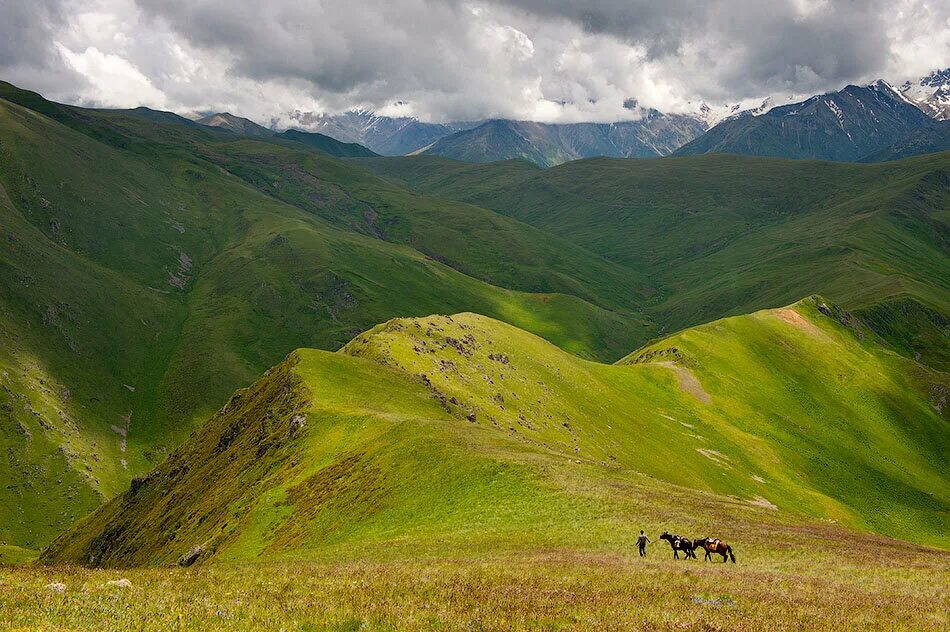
{"x": 548, "y": 145}
{"x": 846, "y": 125}
{"x": 480, "y": 410}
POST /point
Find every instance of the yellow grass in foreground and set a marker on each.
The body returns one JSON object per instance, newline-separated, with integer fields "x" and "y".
{"x": 875, "y": 588}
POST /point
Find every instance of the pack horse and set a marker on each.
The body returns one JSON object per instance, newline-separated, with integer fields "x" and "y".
{"x": 679, "y": 543}
{"x": 715, "y": 545}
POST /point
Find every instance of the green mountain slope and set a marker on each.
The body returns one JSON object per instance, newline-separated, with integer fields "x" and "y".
{"x": 151, "y": 266}
{"x": 724, "y": 234}
{"x": 328, "y": 145}
{"x": 147, "y": 273}
{"x": 479, "y": 436}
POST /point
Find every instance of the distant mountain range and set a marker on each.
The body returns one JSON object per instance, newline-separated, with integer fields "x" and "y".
{"x": 928, "y": 139}
{"x": 246, "y": 127}
{"x": 857, "y": 123}
{"x": 845, "y": 125}
{"x": 389, "y": 136}
{"x": 931, "y": 93}
{"x": 656, "y": 134}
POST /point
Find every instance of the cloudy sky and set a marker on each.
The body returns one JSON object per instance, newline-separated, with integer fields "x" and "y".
{"x": 548, "y": 60}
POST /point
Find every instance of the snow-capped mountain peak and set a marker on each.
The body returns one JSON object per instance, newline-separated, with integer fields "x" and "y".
{"x": 931, "y": 94}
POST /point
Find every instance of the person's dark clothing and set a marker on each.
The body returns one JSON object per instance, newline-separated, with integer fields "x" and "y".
{"x": 642, "y": 544}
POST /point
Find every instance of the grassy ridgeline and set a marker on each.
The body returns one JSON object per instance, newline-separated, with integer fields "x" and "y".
{"x": 150, "y": 266}
{"x": 457, "y": 434}
{"x": 149, "y": 269}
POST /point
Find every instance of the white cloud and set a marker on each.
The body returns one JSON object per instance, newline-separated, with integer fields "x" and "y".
{"x": 113, "y": 81}
{"x": 562, "y": 60}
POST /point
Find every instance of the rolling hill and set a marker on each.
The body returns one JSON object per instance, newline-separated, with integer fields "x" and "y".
{"x": 730, "y": 234}
{"x": 149, "y": 269}
{"x": 481, "y": 437}
{"x": 328, "y": 145}
{"x": 151, "y": 266}
{"x": 845, "y": 125}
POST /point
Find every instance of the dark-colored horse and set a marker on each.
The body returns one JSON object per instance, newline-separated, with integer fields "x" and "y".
{"x": 715, "y": 545}
{"x": 679, "y": 543}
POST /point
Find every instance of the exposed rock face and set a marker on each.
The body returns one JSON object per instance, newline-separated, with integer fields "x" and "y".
{"x": 191, "y": 556}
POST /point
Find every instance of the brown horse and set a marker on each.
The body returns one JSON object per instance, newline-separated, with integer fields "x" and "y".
{"x": 715, "y": 545}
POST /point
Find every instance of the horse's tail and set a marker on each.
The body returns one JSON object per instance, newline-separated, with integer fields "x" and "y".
{"x": 731, "y": 554}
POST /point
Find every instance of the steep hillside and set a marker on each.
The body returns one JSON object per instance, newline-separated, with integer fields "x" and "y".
{"x": 328, "y": 145}
{"x": 845, "y": 125}
{"x": 478, "y": 436}
{"x": 728, "y": 234}
{"x": 237, "y": 124}
{"x": 546, "y": 145}
{"x": 249, "y": 129}
{"x": 151, "y": 268}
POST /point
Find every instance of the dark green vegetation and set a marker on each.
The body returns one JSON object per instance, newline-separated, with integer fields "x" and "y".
{"x": 327, "y": 145}
{"x": 851, "y": 124}
{"x": 546, "y": 145}
{"x": 149, "y": 266}
{"x": 148, "y": 269}
{"x": 730, "y": 234}
{"x": 480, "y": 437}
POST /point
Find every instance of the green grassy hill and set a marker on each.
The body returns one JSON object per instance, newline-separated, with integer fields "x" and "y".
{"x": 328, "y": 145}
{"x": 451, "y": 435}
{"x": 719, "y": 234}
{"x": 151, "y": 268}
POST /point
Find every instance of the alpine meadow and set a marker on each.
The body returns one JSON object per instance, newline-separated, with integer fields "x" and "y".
{"x": 430, "y": 315}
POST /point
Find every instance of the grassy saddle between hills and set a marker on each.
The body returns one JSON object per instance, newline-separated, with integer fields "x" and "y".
{"x": 445, "y": 435}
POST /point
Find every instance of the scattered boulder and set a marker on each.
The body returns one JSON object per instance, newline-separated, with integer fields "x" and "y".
{"x": 297, "y": 424}
{"x": 499, "y": 357}
{"x": 191, "y": 556}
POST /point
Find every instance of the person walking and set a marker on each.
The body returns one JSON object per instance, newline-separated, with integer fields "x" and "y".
{"x": 642, "y": 543}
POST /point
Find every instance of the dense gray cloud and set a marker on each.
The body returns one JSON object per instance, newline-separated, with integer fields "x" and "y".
{"x": 462, "y": 59}
{"x": 27, "y": 53}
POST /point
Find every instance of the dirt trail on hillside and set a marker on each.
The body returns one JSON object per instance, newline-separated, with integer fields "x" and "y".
{"x": 795, "y": 319}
